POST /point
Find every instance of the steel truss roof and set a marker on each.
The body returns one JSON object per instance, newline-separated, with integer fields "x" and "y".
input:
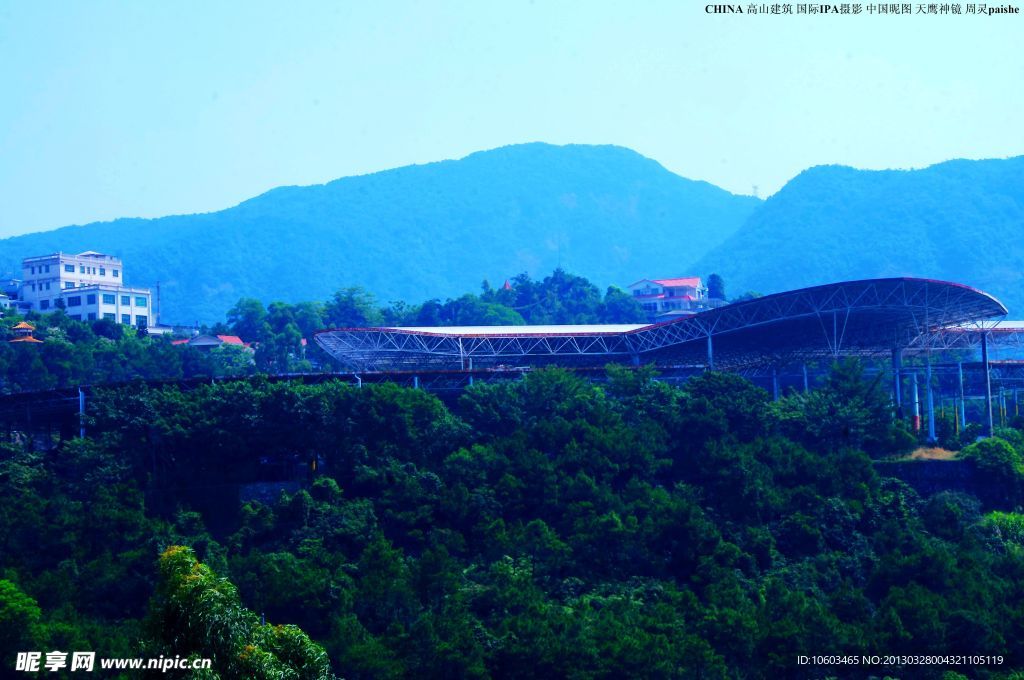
{"x": 868, "y": 317}
{"x": 999, "y": 337}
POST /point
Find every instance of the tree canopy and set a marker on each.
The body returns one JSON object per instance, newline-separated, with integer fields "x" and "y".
{"x": 551, "y": 526}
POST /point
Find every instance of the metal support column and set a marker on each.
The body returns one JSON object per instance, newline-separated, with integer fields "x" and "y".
{"x": 711, "y": 355}
{"x": 415, "y": 382}
{"x": 835, "y": 336}
{"x": 988, "y": 384}
{"x": 963, "y": 407}
{"x": 807, "y": 383}
{"x": 897, "y": 367}
{"x": 931, "y": 401}
{"x": 81, "y": 413}
{"x": 775, "y": 384}
{"x": 915, "y": 403}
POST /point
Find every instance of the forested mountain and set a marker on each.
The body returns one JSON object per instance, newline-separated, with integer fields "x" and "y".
{"x": 960, "y": 221}
{"x": 437, "y": 230}
{"x": 419, "y": 232}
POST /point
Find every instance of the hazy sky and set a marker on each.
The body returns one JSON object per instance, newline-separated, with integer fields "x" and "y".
{"x": 145, "y": 108}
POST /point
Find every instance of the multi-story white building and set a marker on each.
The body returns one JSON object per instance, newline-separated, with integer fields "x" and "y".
{"x": 90, "y": 285}
{"x": 663, "y": 299}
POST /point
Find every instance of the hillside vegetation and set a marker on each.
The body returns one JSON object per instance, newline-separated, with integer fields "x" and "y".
{"x": 959, "y": 221}
{"x": 547, "y": 527}
{"x": 419, "y": 232}
{"x": 436, "y": 230}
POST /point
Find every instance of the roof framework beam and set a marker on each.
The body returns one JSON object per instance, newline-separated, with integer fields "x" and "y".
{"x": 870, "y": 317}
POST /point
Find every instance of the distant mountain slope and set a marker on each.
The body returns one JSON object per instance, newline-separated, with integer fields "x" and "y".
{"x": 960, "y": 221}
{"x": 421, "y": 231}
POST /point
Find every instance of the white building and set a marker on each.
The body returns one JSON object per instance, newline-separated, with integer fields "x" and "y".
{"x": 665, "y": 299}
{"x": 90, "y": 285}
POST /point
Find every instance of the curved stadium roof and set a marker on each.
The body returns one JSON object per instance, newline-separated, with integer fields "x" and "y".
{"x": 872, "y": 316}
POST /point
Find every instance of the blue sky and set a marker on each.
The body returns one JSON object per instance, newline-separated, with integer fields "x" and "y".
{"x": 112, "y": 109}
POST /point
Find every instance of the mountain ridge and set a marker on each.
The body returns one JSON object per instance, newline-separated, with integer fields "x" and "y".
{"x": 437, "y": 229}
{"x": 959, "y": 220}
{"x": 420, "y": 231}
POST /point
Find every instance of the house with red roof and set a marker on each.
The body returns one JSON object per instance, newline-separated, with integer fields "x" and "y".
{"x": 211, "y": 341}
{"x": 665, "y": 299}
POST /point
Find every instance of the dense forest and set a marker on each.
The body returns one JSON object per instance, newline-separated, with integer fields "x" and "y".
{"x": 545, "y": 527}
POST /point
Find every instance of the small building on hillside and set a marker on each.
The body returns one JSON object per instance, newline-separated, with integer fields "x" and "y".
{"x": 90, "y": 286}
{"x": 665, "y": 299}
{"x": 207, "y": 342}
{"x": 23, "y": 333}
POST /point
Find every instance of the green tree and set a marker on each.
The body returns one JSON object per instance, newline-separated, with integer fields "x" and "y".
{"x": 749, "y": 295}
{"x": 469, "y": 310}
{"x": 247, "y": 318}
{"x": 196, "y": 614}
{"x": 849, "y": 410}
{"x": 1003, "y": 463}
{"x": 19, "y": 618}
{"x": 352, "y": 308}
{"x": 621, "y": 307}
{"x": 716, "y": 287}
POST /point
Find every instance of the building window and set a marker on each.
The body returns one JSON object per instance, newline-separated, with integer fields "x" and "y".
{"x": 75, "y": 301}
{"x": 92, "y": 316}
{"x": 32, "y": 270}
{"x": 141, "y": 320}
{"x": 115, "y": 273}
{"x": 109, "y": 316}
{"x": 69, "y": 284}
{"x": 44, "y": 304}
{"x": 76, "y": 317}
{"x": 69, "y": 268}
{"x": 46, "y": 268}
{"x": 126, "y": 300}
{"x": 81, "y": 269}
{"x": 33, "y": 287}
{"x": 140, "y": 302}
{"x": 109, "y": 299}
{"x": 47, "y": 285}
{"x": 90, "y": 299}
{"x": 126, "y": 319}
{"x": 103, "y": 271}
